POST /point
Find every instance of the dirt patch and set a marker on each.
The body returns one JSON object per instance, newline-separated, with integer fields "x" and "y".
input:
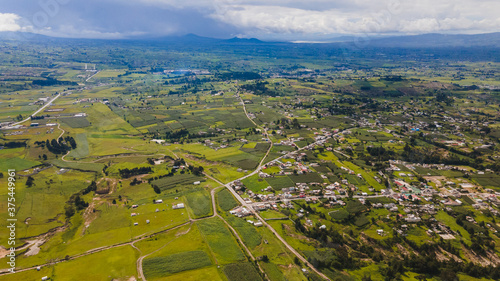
{"x": 450, "y": 255}
{"x": 436, "y": 179}
{"x": 180, "y": 233}
{"x": 3, "y": 252}
{"x": 289, "y": 232}
{"x": 89, "y": 215}
{"x": 402, "y": 250}
{"x": 106, "y": 185}
{"x": 437, "y": 85}
{"x": 35, "y": 247}
{"x": 470, "y": 255}
{"x": 440, "y": 257}
{"x": 204, "y": 162}
{"x": 494, "y": 258}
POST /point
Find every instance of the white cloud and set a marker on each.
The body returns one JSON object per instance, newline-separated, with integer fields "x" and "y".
{"x": 8, "y": 22}
{"x": 262, "y": 18}
{"x": 358, "y": 17}
{"x": 178, "y": 4}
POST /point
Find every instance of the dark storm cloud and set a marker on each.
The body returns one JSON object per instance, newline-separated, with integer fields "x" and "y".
{"x": 110, "y": 19}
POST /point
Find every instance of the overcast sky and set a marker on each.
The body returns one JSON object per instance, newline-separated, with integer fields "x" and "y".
{"x": 265, "y": 19}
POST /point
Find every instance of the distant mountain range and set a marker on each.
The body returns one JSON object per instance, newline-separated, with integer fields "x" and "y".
{"x": 432, "y": 40}
{"x": 195, "y": 39}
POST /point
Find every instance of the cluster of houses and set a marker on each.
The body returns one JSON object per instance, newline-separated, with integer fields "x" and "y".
{"x": 240, "y": 211}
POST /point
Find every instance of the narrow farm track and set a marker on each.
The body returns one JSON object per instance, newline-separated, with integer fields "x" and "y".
{"x": 139, "y": 263}
{"x": 262, "y": 128}
{"x": 342, "y": 153}
{"x": 96, "y": 250}
{"x": 212, "y": 193}
{"x": 62, "y": 133}
{"x": 140, "y": 271}
{"x": 92, "y": 76}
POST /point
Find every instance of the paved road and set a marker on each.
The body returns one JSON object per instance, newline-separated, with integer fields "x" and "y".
{"x": 36, "y": 112}
{"x": 92, "y": 76}
{"x": 256, "y": 214}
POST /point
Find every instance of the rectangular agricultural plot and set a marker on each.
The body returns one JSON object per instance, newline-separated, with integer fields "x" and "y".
{"x": 339, "y": 215}
{"x": 488, "y": 180}
{"x": 191, "y": 124}
{"x": 205, "y": 273}
{"x": 76, "y": 122}
{"x": 241, "y": 272}
{"x": 226, "y": 200}
{"x": 247, "y": 164}
{"x": 199, "y": 202}
{"x": 280, "y": 182}
{"x": 92, "y": 167}
{"x": 248, "y": 232}
{"x": 255, "y": 183}
{"x": 256, "y": 148}
{"x": 163, "y": 266}
{"x": 242, "y": 160}
{"x": 355, "y": 180}
{"x": 113, "y": 264}
{"x": 16, "y": 163}
{"x": 221, "y": 241}
{"x": 307, "y": 178}
{"x": 176, "y": 180}
{"x": 82, "y": 146}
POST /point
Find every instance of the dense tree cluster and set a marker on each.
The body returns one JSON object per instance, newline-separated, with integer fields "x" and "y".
{"x": 379, "y": 153}
{"x": 92, "y": 187}
{"x": 184, "y": 134}
{"x": 51, "y": 82}
{"x": 259, "y": 88}
{"x": 198, "y": 171}
{"x": 60, "y": 147}
{"x": 287, "y": 124}
{"x": 75, "y": 203}
{"x": 30, "y": 181}
{"x": 127, "y": 173}
{"x": 39, "y": 117}
{"x": 14, "y": 144}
